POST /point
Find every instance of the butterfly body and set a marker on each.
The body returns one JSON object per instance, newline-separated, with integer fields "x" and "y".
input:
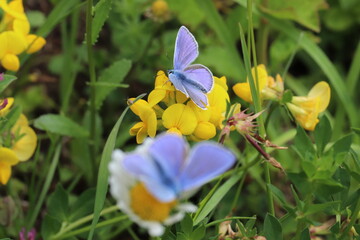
{"x": 195, "y": 80}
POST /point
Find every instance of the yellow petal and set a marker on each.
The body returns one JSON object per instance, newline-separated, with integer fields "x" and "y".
{"x": 8, "y": 156}
{"x": 156, "y": 96}
{"x": 3, "y": 45}
{"x": 175, "y": 131}
{"x": 205, "y": 131}
{"x": 6, "y": 109}
{"x": 24, "y": 148}
{"x": 14, "y": 8}
{"x": 5, "y": 173}
{"x": 16, "y": 42}
{"x": 201, "y": 115}
{"x": 163, "y": 82}
{"x": 218, "y": 99}
{"x": 242, "y": 90}
{"x": 10, "y": 62}
{"x": 322, "y": 91}
{"x": 180, "y": 97}
{"x": 21, "y": 26}
{"x": 134, "y": 130}
{"x": 35, "y": 43}
{"x": 151, "y": 123}
{"x": 222, "y": 82}
{"x": 141, "y": 135}
{"x": 181, "y": 117}
{"x": 261, "y": 74}
{"x": 139, "y": 106}
{"x": 22, "y": 121}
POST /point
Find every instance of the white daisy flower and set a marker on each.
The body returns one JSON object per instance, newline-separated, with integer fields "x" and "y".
{"x": 150, "y": 183}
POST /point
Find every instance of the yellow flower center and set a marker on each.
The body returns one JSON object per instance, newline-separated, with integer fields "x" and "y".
{"x": 160, "y": 8}
{"x": 146, "y": 206}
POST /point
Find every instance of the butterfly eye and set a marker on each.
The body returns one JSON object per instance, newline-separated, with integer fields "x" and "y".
{"x": 170, "y": 72}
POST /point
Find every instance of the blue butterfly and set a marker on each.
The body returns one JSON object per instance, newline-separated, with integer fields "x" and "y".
{"x": 196, "y": 80}
{"x": 169, "y": 170}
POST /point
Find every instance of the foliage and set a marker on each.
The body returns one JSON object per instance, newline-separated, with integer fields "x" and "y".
{"x": 295, "y": 65}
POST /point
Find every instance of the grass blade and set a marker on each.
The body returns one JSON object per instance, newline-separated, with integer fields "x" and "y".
{"x": 103, "y": 175}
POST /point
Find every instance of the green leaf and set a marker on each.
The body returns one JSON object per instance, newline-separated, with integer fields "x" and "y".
{"x": 49, "y": 226}
{"x": 198, "y": 233}
{"x": 356, "y": 130}
{"x": 60, "y": 11}
{"x": 321, "y": 207}
{"x": 192, "y": 14}
{"x": 343, "y": 145}
{"x": 187, "y": 225}
{"x": 58, "y": 204}
{"x": 216, "y": 22}
{"x": 103, "y": 174}
{"x": 216, "y": 198}
{"x": 278, "y": 194}
{"x": 60, "y": 125}
{"x": 272, "y": 228}
{"x": 6, "y": 81}
{"x": 287, "y": 96}
{"x": 302, "y": 143}
{"x": 10, "y": 118}
{"x": 304, "y": 12}
{"x": 102, "y": 10}
{"x": 112, "y": 75}
{"x": 83, "y": 205}
{"x": 36, "y": 18}
{"x": 322, "y": 134}
{"x": 305, "y": 235}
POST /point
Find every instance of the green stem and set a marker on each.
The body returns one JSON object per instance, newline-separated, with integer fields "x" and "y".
{"x": 92, "y": 73}
{"x": 257, "y": 102}
{"x": 81, "y": 221}
{"x": 262, "y": 43}
{"x": 86, "y": 229}
{"x": 228, "y": 219}
{"x": 46, "y": 185}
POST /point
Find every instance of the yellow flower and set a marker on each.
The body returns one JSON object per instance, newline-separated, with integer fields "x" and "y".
{"x": 218, "y": 99}
{"x": 243, "y": 89}
{"x": 159, "y": 11}
{"x": 12, "y": 44}
{"x": 268, "y": 87}
{"x": 164, "y": 90}
{"x": 148, "y": 123}
{"x": 5, "y": 109}
{"x": 180, "y": 119}
{"x": 204, "y": 129}
{"x": 16, "y": 38}
{"x": 7, "y": 160}
{"x": 25, "y": 139}
{"x": 307, "y": 109}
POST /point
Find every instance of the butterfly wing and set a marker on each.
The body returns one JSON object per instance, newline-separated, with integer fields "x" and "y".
{"x": 146, "y": 170}
{"x": 200, "y": 74}
{"x": 186, "y": 49}
{"x": 206, "y": 161}
{"x": 168, "y": 150}
{"x": 196, "y": 93}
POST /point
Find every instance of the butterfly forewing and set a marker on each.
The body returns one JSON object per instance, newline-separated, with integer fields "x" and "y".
{"x": 207, "y": 161}
{"x": 186, "y": 49}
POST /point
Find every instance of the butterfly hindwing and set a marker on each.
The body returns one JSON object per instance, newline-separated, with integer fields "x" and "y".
{"x": 186, "y": 49}
{"x": 207, "y": 160}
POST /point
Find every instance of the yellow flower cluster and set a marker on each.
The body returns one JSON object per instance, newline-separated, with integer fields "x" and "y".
{"x": 16, "y": 145}
{"x": 306, "y": 109}
{"x": 170, "y": 109}
{"x": 15, "y": 37}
